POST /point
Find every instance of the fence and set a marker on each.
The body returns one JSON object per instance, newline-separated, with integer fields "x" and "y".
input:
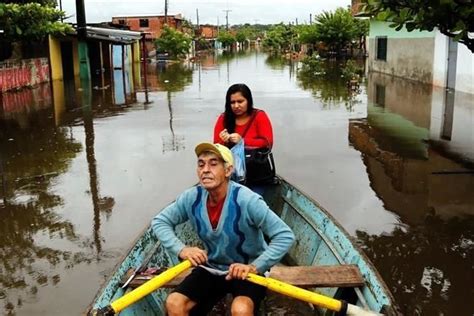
{"x": 24, "y": 73}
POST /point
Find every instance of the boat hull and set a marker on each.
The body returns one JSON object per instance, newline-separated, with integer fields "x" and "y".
{"x": 320, "y": 241}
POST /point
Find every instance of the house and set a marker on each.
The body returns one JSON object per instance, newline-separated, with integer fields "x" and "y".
{"x": 151, "y": 24}
{"x": 208, "y": 33}
{"x": 428, "y": 57}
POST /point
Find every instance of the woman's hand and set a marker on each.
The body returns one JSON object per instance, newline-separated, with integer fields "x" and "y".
{"x": 224, "y": 135}
{"x": 240, "y": 271}
{"x": 234, "y": 138}
{"x": 196, "y": 255}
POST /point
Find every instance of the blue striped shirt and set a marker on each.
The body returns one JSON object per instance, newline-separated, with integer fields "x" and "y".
{"x": 239, "y": 235}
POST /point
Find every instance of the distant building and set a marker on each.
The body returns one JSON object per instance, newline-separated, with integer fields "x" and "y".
{"x": 151, "y": 24}
{"x": 209, "y": 32}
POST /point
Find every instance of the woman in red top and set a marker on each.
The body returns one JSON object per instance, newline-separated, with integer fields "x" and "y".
{"x": 242, "y": 120}
{"x": 237, "y": 120}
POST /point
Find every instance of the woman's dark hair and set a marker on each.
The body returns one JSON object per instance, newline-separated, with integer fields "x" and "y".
{"x": 229, "y": 116}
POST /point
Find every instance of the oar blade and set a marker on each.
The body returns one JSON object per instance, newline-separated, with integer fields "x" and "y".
{"x": 308, "y": 296}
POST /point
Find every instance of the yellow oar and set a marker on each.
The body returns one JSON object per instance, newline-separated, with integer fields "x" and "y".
{"x": 308, "y": 296}
{"x": 144, "y": 289}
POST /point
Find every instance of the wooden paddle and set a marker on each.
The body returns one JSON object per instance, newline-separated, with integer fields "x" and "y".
{"x": 143, "y": 290}
{"x": 307, "y": 296}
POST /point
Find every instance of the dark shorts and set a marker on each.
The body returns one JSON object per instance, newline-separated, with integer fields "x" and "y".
{"x": 207, "y": 290}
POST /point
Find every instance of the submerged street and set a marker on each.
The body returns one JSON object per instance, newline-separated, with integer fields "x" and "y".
{"x": 392, "y": 161}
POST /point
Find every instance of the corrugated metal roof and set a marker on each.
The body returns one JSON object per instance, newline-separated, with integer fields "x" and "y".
{"x": 113, "y": 35}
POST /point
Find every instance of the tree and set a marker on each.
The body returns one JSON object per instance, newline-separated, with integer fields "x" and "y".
{"x": 173, "y": 42}
{"x": 31, "y": 21}
{"x": 226, "y": 38}
{"x": 49, "y": 3}
{"x": 307, "y": 34}
{"x": 453, "y": 18}
{"x": 280, "y": 37}
{"x": 241, "y": 36}
{"x": 336, "y": 29}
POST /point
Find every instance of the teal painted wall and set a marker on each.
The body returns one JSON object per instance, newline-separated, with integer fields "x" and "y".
{"x": 378, "y": 28}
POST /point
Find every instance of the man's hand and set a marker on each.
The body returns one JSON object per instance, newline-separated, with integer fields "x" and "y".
{"x": 240, "y": 271}
{"x": 196, "y": 255}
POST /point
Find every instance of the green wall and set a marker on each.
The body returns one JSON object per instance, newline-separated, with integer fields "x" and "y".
{"x": 379, "y": 28}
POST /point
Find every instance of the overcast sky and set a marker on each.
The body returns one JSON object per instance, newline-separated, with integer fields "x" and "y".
{"x": 242, "y": 11}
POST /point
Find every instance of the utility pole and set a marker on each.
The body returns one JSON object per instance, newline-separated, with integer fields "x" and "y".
{"x": 84, "y": 70}
{"x": 166, "y": 11}
{"x": 296, "y": 21}
{"x": 61, "y": 8}
{"x": 197, "y": 18}
{"x": 227, "y": 18}
{"x": 310, "y": 19}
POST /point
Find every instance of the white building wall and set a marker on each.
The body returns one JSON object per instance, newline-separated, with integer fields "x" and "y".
{"x": 440, "y": 64}
{"x": 462, "y": 136}
{"x": 465, "y": 70}
{"x": 464, "y": 66}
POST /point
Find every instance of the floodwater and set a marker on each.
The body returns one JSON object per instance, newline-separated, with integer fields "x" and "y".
{"x": 83, "y": 173}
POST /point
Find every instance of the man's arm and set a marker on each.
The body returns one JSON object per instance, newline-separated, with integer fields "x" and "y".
{"x": 281, "y": 236}
{"x": 163, "y": 225}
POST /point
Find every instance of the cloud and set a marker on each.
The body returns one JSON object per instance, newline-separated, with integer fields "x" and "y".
{"x": 243, "y": 11}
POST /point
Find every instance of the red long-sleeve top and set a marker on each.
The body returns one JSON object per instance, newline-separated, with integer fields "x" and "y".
{"x": 259, "y": 134}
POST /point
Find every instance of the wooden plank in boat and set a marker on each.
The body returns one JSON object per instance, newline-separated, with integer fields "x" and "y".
{"x": 319, "y": 276}
{"x": 302, "y": 276}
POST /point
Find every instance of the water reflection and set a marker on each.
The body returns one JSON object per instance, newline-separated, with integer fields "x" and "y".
{"x": 276, "y": 62}
{"x": 426, "y": 179}
{"x": 329, "y": 86}
{"x": 37, "y": 147}
{"x": 226, "y": 56}
{"x": 173, "y": 142}
{"x": 169, "y": 77}
{"x": 34, "y": 152}
{"x": 98, "y": 203}
{"x": 428, "y": 264}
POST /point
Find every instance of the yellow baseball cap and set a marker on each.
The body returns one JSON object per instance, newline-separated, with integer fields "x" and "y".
{"x": 218, "y": 149}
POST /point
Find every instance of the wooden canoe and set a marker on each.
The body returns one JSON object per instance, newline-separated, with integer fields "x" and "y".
{"x": 324, "y": 259}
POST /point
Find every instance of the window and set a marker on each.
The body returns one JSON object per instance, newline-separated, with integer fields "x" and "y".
{"x": 381, "y": 48}
{"x": 121, "y": 21}
{"x": 143, "y": 22}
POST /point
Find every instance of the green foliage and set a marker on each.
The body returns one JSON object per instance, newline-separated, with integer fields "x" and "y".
{"x": 313, "y": 65}
{"x": 226, "y": 38}
{"x": 351, "y": 71}
{"x": 241, "y": 36}
{"x": 202, "y": 44}
{"x": 252, "y": 32}
{"x": 326, "y": 82}
{"x": 31, "y": 21}
{"x": 338, "y": 29}
{"x": 280, "y": 37}
{"x": 454, "y": 18}
{"x": 50, "y": 3}
{"x": 173, "y": 42}
{"x": 307, "y": 34}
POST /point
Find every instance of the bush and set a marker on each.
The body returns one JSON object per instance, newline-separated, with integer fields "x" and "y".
{"x": 173, "y": 42}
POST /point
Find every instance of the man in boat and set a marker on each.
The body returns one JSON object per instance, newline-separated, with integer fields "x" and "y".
{"x": 231, "y": 221}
